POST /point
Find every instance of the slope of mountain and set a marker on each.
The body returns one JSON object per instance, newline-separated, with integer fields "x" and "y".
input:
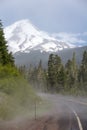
{"x": 35, "y": 56}
{"x": 24, "y": 37}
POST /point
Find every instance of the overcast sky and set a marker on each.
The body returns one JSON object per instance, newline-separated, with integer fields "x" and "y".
{"x": 53, "y": 16}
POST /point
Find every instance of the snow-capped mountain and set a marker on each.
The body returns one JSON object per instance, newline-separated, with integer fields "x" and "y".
{"x": 24, "y": 37}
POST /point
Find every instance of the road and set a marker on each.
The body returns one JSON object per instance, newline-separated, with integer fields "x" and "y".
{"x": 71, "y": 111}
{"x": 66, "y": 113}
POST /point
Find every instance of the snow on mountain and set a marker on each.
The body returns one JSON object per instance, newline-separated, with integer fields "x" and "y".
{"x": 22, "y": 36}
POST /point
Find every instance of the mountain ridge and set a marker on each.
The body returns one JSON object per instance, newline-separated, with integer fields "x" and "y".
{"x": 35, "y": 56}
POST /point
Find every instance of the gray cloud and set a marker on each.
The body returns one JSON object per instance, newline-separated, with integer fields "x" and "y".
{"x": 49, "y": 15}
{"x": 71, "y": 37}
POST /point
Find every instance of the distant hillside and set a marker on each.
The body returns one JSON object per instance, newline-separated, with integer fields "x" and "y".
{"x": 34, "y": 56}
{"x": 67, "y": 54}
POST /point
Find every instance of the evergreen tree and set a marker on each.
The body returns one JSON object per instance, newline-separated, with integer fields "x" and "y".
{"x": 30, "y": 73}
{"x": 40, "y": 74}
{"x": 5, "y": 56}
{"x": 23, "y": 71}
{"x": 72, "y": 71}
{"x": 10, "y": 59}
{"x": 83, "y": 68}
{"x": 54, "y": 68}
{"x": 40, "y": 71}
{"x": 74, "y": 68}
{"x": 51, "y": 71}
{"x": 68, "y": 68}
{"x": 57, "y": 68}
{"x": 61, "y": 78}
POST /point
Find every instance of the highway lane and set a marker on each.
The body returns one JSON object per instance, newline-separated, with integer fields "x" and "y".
{"x": 76, "y": 111}
{"x": 80, "y": 110}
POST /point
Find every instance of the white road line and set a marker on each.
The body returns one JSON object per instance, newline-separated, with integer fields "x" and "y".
{"x": 78, "y": 120}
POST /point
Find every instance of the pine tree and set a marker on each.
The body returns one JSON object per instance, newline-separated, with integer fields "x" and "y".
{"x": 57, "y": 68}
{"x": 62, "y": 77}
{"x": 83, "y": 68}
{"x": 54, "y": 67}
{"x": 5, "y": 56}
{"x": 41, "y": 78}
{"x": 51, "y": 71}
{"x": 40, "y": 74}
{"x": 72, "y": 71}
{"x": 74, "y": 68}
{"x": 40, "y": 71}
{"x": 70, "y": 78}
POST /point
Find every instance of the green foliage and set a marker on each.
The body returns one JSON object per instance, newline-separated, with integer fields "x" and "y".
{"x": 54, "y": 67}
{"x": 5, "y": 56}
{"x": 51, "y": 71}
{"x": 16, "y": 95}
{"x": 68, "y": 78}
{"x": 58, "y": 78}
{"x": 62, "y": 77}
{"x": 72, "y": 71}
{"x": 8, "y": 71}
{"x": 83, "y": 68}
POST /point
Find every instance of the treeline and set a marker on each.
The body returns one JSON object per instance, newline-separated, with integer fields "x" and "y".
{"x": 58, "y": 77}
{"x": 69, "y": 76}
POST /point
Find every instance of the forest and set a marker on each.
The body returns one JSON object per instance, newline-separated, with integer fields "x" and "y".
{"x": 69, "y": 78}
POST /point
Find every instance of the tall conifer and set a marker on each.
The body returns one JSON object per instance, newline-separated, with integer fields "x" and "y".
{"x": 5, "y": 56}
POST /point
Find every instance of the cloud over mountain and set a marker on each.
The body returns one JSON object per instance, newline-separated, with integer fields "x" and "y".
{"x": 77, "y": 38}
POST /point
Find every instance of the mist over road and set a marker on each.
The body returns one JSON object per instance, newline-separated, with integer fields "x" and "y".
{"x": 65, "y": 113}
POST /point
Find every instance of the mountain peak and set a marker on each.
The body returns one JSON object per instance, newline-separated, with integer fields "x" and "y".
{"x": 23, "y": 36}
{"x": 24, "y": 22}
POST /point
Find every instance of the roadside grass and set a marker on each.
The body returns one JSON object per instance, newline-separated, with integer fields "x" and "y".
{"x": 37, "y": 109}
{"x": 17, "y": 97}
